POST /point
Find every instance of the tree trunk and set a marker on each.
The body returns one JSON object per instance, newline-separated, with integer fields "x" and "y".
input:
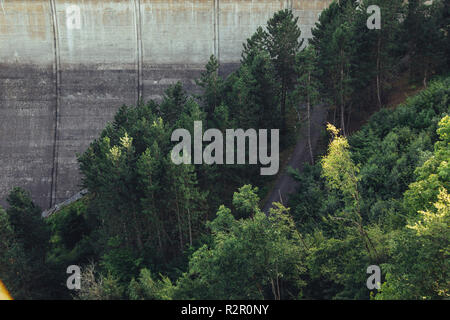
{"x": 158, "y": 232}
{"x": 334, "y": 115}
{"x": 378, "y": 73}
{"x": 365, "y": 237}
{"x": 283, "y": 106}
{"x": 158, "y": 222}
{"x": 180, "y": 232}
{"x": 274, "y": 290}
{"x": 278, "y": 286}
{"x": 190, "y": 227}
{"x": 349, "y": 115}
{"x": 308, "y": 105}
{"x": 342, "y": 97}
{"x": 425, "y": 77}
{"x": 138, "y": 233}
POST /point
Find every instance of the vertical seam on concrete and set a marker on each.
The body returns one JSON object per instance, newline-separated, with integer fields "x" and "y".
{"x": 138, "y": 22}
{"x": 57, "y": 75}
{"x": 289, "y": 4}
{"x": 216, "y": 30}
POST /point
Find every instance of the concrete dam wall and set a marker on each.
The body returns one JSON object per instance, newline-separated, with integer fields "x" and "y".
{"x": 66, "y": 66}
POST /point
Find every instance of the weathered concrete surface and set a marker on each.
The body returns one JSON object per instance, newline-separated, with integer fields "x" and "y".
{"x": 66, "y": 66}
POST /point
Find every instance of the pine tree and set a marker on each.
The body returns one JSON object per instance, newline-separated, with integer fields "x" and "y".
{"x": 334, "y": 42}
{"x": 283, "y": 44}
{"x": 425, "y": 36}
{"x": 308, "y": 84}
{"x": 212, "y": 83}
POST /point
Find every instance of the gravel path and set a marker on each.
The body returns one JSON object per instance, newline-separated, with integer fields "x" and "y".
{"x": 285, "y": 184}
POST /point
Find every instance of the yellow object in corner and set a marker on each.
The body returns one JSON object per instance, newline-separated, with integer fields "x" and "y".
{"x": 4, "y": 295}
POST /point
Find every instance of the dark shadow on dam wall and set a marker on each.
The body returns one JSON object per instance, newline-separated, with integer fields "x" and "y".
{"x": 67, "y": 66}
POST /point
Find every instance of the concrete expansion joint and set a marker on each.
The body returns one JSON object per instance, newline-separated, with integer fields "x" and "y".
{"x": 57, "y": 77}
{"x": 139, "y": 45}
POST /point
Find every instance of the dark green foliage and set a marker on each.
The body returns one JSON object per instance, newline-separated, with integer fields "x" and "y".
{"x": 71, "y": 225}
{"x": 149, "y": 208}
{"x": 283, "y": 44}
{"x": 404, "y": 137}
{"x": 253, "y": 95}
{"x": 212, "y": 84}
{"x": 13, "y": 261}
{"x": 393, "y": 149}
{"x": 26, "y": 221}
{"x": 267, "y": 75}
{"x": 307, "y": 202}
{"x": 433, "y": 175}
{"x": 426, "y": 36}
{"x": 358, "y": 64}
{"x": 146, "y": 288}
{"x": 24, "y": 245}
{"x": 253, "y": 258}
{"x": 338, "y": 266}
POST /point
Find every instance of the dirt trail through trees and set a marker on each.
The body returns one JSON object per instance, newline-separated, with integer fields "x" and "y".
{"x": 285, "y": 184}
